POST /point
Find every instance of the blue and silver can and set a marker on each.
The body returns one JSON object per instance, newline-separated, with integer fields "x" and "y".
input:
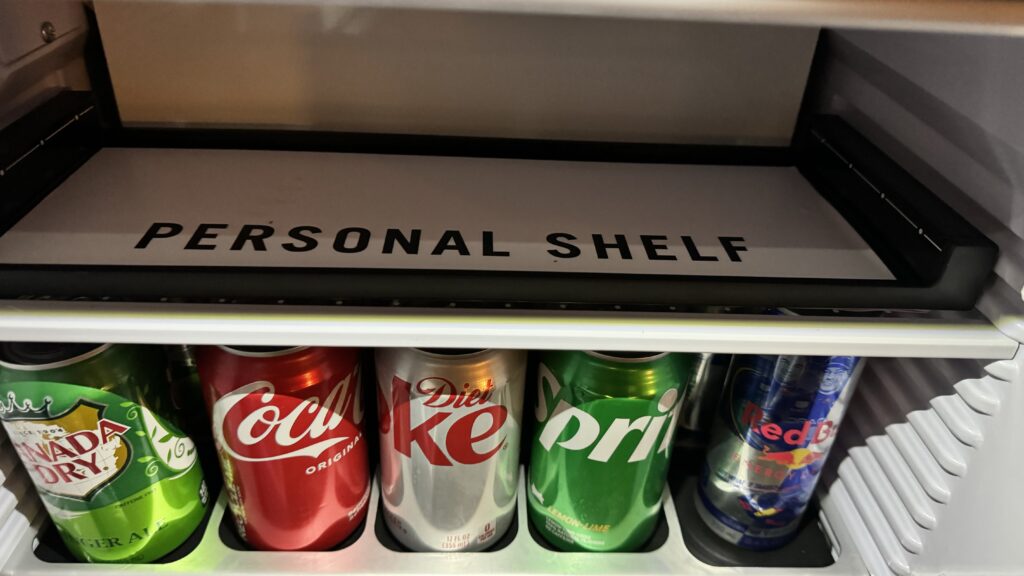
{"x": 775, "y": 426}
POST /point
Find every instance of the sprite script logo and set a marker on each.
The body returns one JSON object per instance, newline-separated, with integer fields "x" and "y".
{"x": 585, "y": 432}
{"x": 72, "y": 454}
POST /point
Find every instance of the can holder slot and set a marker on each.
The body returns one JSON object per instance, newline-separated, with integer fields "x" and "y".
{"x": 426, "y": 220}
{"x": 208, "y": 552}
{"x": 228, "y": 534}
{"x": 656, "y": 541}
{"x": 809, "y": 549}
{"x": 52, "y": 550}
{"x": 388, "y": 540}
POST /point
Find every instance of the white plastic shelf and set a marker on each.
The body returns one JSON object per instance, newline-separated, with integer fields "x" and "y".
{"x": 236, "y": 324}
{"x": 367, "y": 556}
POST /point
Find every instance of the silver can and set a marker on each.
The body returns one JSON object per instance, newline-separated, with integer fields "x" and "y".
{"x": 700, "y": 397}
{"x": 449, "y": 444}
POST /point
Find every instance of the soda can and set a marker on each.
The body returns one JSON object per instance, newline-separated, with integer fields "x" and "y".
{"x": 774, "y": 430}
{"x": 605, "y": 427}
{"x": 449, "y": 444}
{"x": 186, "y": 393}
{"x": 700, "y": 397}
{"x": 94, "y": 428}
{"x": 288, "y": 427}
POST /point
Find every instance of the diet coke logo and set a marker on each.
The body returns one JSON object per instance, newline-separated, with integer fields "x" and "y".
{"x": 270, "y": 426}
{"x": 461, "y": 419}
{"x": 442, "y": 393}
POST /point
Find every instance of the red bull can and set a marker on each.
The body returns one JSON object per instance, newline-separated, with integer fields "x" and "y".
{"x": 775, "y": 426}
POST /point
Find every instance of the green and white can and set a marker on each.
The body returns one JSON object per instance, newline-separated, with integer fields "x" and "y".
{"x": 94, "y": 427}
{"x": 605, "y": 427}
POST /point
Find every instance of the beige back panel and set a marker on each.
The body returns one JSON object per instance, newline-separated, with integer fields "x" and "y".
{"x": 309, "y": 66}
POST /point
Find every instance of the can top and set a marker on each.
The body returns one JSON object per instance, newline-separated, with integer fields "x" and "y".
{"x": 261, "y": 351}
{"x": 46, "y": 355}
{"x": 452, "y": 351}
{"x": 626, "y": 356}
{"x": 594, "y": 375}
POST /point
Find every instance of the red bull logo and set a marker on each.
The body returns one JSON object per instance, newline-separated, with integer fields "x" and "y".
{"x": 810, "y": 433}
{"x": 793, "y": 459}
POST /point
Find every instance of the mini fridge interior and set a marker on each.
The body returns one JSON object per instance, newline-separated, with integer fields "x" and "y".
{"x": 556, "y": 175}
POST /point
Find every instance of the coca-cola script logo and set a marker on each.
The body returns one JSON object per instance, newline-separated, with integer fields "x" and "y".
{"x": 274, "y": 426}
{"x": 461, "y": 417}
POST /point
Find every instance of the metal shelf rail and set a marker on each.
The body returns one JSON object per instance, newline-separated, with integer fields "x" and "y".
{"x": 951, "y": 336}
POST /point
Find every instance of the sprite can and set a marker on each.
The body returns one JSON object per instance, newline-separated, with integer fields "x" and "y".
{"x": 120, "y": 481}
{"x": 605, "y": 426}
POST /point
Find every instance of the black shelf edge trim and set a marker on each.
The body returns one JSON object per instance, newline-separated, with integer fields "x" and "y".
{"x": 448, "y": 145}
{"x": 41, "y": 149}
{"x": 918, "y": 236}
{"x": 939, "y": 260}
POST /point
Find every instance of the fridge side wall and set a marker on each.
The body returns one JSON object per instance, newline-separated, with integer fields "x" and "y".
{"x": 927, "y": 468}
{"x": 948, "y": 109}
{"x": 41, "y": 53}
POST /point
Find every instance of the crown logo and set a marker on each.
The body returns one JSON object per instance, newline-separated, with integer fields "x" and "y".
{"x": 11, "y": 410}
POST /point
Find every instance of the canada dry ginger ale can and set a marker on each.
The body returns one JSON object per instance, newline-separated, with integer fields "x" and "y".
{"x": 91, "y": 423}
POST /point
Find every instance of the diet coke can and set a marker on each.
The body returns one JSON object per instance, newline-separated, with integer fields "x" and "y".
{"x": 288, "y": 426}
{"x": 449, "y": 444}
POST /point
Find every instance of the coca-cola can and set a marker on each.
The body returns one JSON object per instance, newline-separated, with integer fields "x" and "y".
{"x": 288, "y": 427}
{"x": 449, "y": 444}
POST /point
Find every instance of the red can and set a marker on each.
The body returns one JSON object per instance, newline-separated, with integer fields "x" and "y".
{"x": 288, "y": 424}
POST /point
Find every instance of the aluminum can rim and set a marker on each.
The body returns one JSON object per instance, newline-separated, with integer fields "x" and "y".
{"x": 266, "y": 354}
{"x": 426, "y": 352}
{"x": 626, "y": 360}
{"x": 99, "y": 349}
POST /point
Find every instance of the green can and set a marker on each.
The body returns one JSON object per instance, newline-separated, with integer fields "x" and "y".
{"x": 605, "y": 427}
{"x": 94, "y": 427}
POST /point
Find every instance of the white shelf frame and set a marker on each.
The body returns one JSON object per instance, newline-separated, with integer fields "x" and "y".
{"x": 1002, "y": 17}
{"x": 953, "y": 336}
